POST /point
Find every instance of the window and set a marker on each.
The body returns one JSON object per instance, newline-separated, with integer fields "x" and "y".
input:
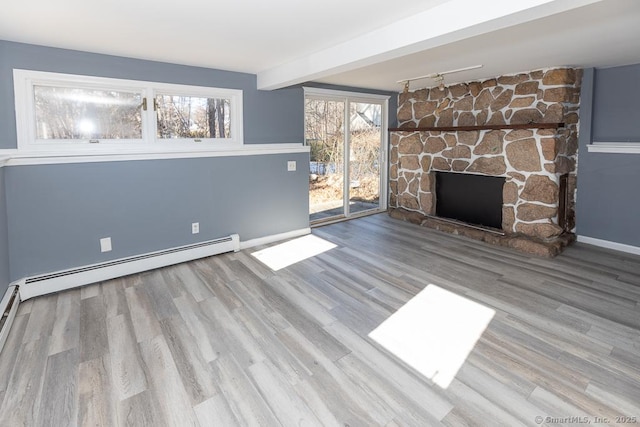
{"x": 69, "y": 113}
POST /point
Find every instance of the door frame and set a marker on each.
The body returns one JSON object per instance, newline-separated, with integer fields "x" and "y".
{"x": 357, "y": 97}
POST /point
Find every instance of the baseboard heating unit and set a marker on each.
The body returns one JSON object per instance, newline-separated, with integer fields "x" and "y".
{"x": 66, "y": 279}
{"x": 8, "y": 308}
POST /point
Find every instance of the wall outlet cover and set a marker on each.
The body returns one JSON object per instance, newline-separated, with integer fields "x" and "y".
{"x": 195, "y": 228}
{"x": 291, "y": 165}
{"x": 105, "y": 244}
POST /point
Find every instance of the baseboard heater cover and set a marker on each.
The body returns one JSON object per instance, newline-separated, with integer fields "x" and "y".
{"x": 67, "y": 279}
{"x": 8, "y": 309}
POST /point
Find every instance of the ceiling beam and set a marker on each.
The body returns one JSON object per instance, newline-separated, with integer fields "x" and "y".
{"x": 445, "y": 23}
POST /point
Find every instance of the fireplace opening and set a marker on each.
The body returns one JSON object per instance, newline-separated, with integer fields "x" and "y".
{"x": 474, "y": 199}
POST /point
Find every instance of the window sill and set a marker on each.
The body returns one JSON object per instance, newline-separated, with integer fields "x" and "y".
{"x": 614, "y": 147}
{"x": 13, "y": 157}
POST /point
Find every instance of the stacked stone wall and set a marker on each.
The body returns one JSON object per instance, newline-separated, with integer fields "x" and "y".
{"x": 532, "y": 160}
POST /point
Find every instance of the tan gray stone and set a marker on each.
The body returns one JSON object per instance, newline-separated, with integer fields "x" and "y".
{"x": 565, "y": 165}
{"x": 513, "y": 80}
{"x": 484, "y": 100}
{"x": 558, "y": 94}
{"x": 459, "y": 165}
{"x": 516, "y": 176}
{"x": 402, "y": 185}
{"x": 527, "y": 115}
{"x": 541, "y": 230}
{"x": 502, "y": 100}
{"x": 475, "y": 88}
{"x": 446, "y": 118}
{"x": 457, "y": 152}
{"x": 440, "y": 164}
{"x": 427, "y": 183}
{"x": 488, "y": 166}
{"x": 450, "y": 139}
{"x": 405, "y": 112}
{"x": 459, "y": 90}
{"x": 561, "y": 76}
{"x": 540, "y": 188}
{"x": 436, "y": 94}
{"x": 422, "y": 109}
{"x": 527, "y": 88}
{"x": 492, "y": 143}
{"x": 534, "y": 212}
{"x": 410, "y": 162}
{"x": 464, "y": 104}
{"x": 516, "y": 134}
{"x": 554, "y": 113}
{"x": 395, "y": 139}
{"x": 509, "y": 193}
{"x": 434, "y": 144}
{"x": 426, "y": 203}
{"x": 466, "y": 119}
{"x": 489, "y": 83}
{"x": 427, "y": 122}
{"x": 496, "y": 119}
{"x": 425, "y": 162}
{"x": 524, "y": 102}
{"x": 468, "y": 137}
{"x": 393, "y": 171}
{"x": 508, "y": 218}
{"x": 393, "y": 187}
{"x": 413, "y": 186}
{"x": 410, "y": 144}
{"x": 549, "y": 148}
{"x": 393, "y": 155}
{"x": 481, "y": 118}
{"x": 408, "y": 201}
{"x": 523, "y": 155}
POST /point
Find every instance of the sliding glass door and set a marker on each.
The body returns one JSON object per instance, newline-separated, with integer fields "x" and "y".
{"x": 346, "y": 133}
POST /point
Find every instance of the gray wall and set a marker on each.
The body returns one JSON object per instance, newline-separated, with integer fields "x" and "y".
{"x": 608, "y": 202}
{"x": 58, "y": 213}
{"x": 4, "y": 237}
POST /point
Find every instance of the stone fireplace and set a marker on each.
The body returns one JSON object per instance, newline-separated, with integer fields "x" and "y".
{"x": 521, "y": 127}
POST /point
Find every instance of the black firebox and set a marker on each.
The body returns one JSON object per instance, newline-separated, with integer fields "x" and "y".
{"x": 474, "y": 199}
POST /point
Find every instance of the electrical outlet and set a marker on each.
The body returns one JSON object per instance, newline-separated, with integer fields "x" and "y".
{"x": 291, "y": 166}
{"x": 195, "y": 228}
{"x": 105, "y": 244}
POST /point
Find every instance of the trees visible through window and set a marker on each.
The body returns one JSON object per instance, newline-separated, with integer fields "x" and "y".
{"x": 75, "y": 113}
{"x": 63, "y": 111}
{"x": 192, "y": 117}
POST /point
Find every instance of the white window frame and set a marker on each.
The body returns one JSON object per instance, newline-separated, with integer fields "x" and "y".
{"x": 25, "y": 80}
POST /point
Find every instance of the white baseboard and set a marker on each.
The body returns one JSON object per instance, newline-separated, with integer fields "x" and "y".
{"x": 274, "y": 238}
{"x": 67, "y": 279}
{"x": 610, "y": 245}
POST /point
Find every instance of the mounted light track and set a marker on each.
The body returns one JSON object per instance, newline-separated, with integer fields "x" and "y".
{"x": 438, "y": 77}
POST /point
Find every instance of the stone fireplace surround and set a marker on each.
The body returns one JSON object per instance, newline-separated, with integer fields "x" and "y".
{"x": 532, "y": 160}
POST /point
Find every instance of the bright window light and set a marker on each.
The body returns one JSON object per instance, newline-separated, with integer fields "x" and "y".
{"x": 293, "y": 251}
{"x": 434, "y": 332}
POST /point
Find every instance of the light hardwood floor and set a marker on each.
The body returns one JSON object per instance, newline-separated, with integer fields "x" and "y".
{"x": 225, "y": 341}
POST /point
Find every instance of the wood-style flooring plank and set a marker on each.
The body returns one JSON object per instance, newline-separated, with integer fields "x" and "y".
{"x": 97, "y": 405}
{"x": 59, "y": 402}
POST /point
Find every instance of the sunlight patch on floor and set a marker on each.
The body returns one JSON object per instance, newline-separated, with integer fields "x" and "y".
{"x": 434, "y": 332}
{"x": 293, "y": 251}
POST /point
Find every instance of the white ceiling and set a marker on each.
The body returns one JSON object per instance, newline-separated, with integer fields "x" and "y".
{"x": 363, "y": 43}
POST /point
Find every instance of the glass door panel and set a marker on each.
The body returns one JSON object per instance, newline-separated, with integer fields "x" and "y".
{"x": 324, "y": 133}
{"x": 365, "y": 141}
